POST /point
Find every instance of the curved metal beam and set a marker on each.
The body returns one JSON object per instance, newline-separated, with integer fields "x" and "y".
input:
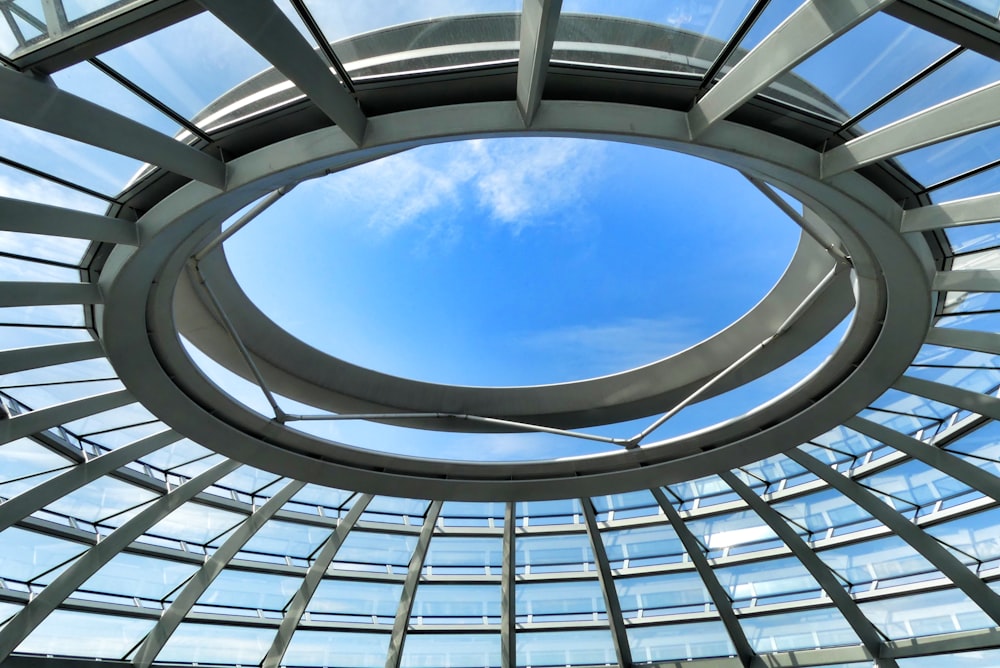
{"x": 720, "y": 598}
{"x": 611, "y": 604}
{"x": 539, "y": 19}
{"x": 22, "y": 359}
{"x": 508, "y": 616}
{"x": 39, "y": 496}
{"x": 200, "y": 581}
{"x": 926, "y": 545}
{"x": 969, "y": 211}
{"x": 956, "y": 117}
{"x": 39, "y": 104}
{"x": 297, "y": 606}
{"x": 983, "y": 404}
{"x": 395, "y": 654}
{"x": 935, "y": 457}
{"x": 816, "y": 567}
{"x": 35, "y": 612}
{"x": 21, "y": 216}
{"x": 811, "y": 27}
{"x": 33, "y": 422}
{"x": 262, "y": 25}
{"x": 29, "y": 293}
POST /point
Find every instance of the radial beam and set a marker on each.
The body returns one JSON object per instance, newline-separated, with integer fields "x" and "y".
{"x": 720, "y": 598}
{"x": 21, "y": 359}
{"x": 812, "y": 26}
{"x": 33, "y": 422}
{"x": 508, "y": 615}
{"x": 966, "y": 339}
{"x": 409, "y": 592}
{"x": 983, "y": 404}
{"x": 55, "y": 488}
{"x": 956, "y": 117}
{"x": 933, "y": 456}
{"x": 28, "y": 293}
{"x": 300, "y": 601}
{"x": 200, "y": 581}
{"x": 967, "y": 280}
{"x": 262, "y": 25}
{"x": 21, "y": 216}
{"x": 33, "y": 614}
{"x": 925, "y": 544}
{"x": 969, "y": 211}
{"x": 539, "y": 19}
{"x": 816, "y": 567}
{"x": 611, "y": 602}
{"x": 39, "y": 104}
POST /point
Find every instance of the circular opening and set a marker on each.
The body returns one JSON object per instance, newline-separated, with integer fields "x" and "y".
{"x": 514, "y": 261}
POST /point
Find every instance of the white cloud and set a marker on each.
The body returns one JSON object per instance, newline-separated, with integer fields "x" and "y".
{"x": 516, "y": 183}
{"x": 594, "y": 350}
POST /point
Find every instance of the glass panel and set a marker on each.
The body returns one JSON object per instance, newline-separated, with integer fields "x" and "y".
{"x": 195, "y": 523}
{"x": 364, "y": 550}
{"x": 580, "y": 600}
{"x": 285, "y": 539}
{"x": 100, "y": 500}
{"x": 457, "y": 604}
{"x": 25, "y": 555}
{"x": 975, "y": 659}
{"x": 420, "y": 38}
{"x": 337, "y": 648}
{"x": 217, "y": 644}
{"x": 677, "y": 37}
{"x": 565, "y": 648}
{"x": 643, "y": 546}
{"x": 249, "y": 591}
{"x": 189, "y": 64}
{"x": 467, "y": 650}
{"x": 766, "y": 582}
{"x": 826, "y": 513}
{"x": 66, "y": 633}
{"x": 925, "y": 614}
{"x": 869, "y": 61}
{"x": 976, "y": 535}
{"x": 679, "y": 641}
{"x": 880, "y": 563}
{"x": 550, "y": 554}
{"x": 801, "y": 629}
{"x": 146, "y": 578}
{"x": 452, "y": 555}
{"x": 664, "y": 594}
{"x": 950, "y": 158}
{"x": 733, "y": 533}
{"x": 355, "y": 601}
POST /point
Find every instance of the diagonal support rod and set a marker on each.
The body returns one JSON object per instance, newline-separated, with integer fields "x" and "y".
{"x": 611, "y": 603}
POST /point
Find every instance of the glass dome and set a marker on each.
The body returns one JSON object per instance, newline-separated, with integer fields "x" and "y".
{"x": 184, "y": 482}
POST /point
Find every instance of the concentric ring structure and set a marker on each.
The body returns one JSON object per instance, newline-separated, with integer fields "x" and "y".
{"x": 149, "y": 518}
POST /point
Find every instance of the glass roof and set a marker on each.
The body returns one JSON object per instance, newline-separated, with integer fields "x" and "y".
{"x": 174, "y": 499}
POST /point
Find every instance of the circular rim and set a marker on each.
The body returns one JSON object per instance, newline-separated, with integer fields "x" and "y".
{"x": 890, "y": 282}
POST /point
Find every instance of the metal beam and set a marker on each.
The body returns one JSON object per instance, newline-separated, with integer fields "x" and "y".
{"x": 967, "y": 280}
{"x": 33, "y": 614}
{"x": 966, "y": 339}
{"x": 200, "y": 581}
{"x": 983, "y": 404}
{"x": 395, "y": 654}
{"x": 508, "y": 615}
{"x": 611, "y": 604}
{"x": 38, "y": 104}
{"x": 33, "y": 422}
{"x": 21, "y": 359}
{"x": 926, "y": 545}
{"x": 17, "y": 508}
{"x": 812, "y": 26}
{"x": 969, "y": 211}
{"x": 816, "y": 567}
{"x": 942, "y": 460}
{"x": 539, "y": 19}
{"x": 262, "y": 25}
{"x": 21, "y": 216}
{"x": 41, "y": 293}
{"x": 720, "y": 598}
{"x": 299, "y": 602}
{"x": 956, "y": 117}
